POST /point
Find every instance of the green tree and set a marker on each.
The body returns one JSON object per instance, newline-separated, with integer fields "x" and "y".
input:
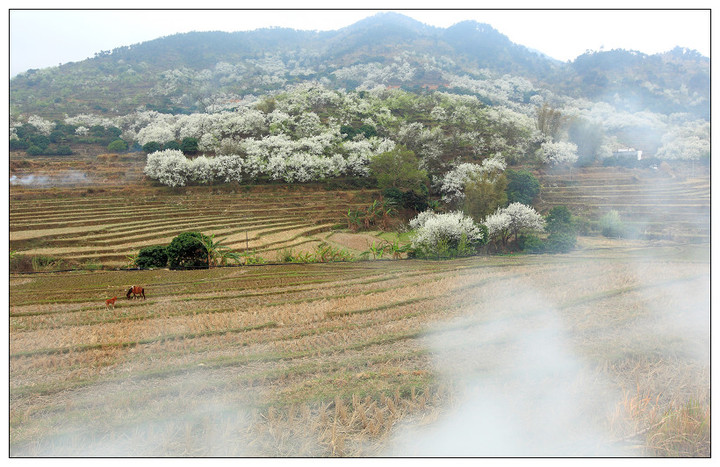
{"x": 611, "y": 225}
{"x": 189, "y": 146}
{"x": 563, "y": 234}
{"x": 152, "y": 257}
{"x": 34, "y": 150}
{"x": 588, "y": 137}
{"x": 41, "y": 141}
{"x": 117, "y": 146}
{"x": 57, "y": 136}
{"x": 152, "y": 146}
{"x": 63, "y": 150}
{"x": 16, "y": 144}
{"x": 187, "y": 251}
{"x": 522, "y": 187}
{"x": 399, "y": 168}
{"x": 559, "y": 219}
{"x": 113, "y": 132}
{"x": 172, "y": 145}
{"x": 484, "y": 195}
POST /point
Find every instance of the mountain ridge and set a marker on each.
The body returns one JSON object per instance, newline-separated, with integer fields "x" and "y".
{"x": 175, "y": 73}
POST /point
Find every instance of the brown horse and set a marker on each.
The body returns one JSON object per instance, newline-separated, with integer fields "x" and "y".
{"x": 136, "y": 291}
{"x": 110, "y": 302}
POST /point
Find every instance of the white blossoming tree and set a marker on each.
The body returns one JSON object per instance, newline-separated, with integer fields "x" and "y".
{"x": 170, "y": 167}
{"x": 689, "y": 142}
{"x": 515, "y": 218}
{"x": 43, "y": 126}
{"x": 227, "y": 168}
{"x": 453, "y": 183}
{"x": 558, "y": 153}
{"x": 446, "y": 235}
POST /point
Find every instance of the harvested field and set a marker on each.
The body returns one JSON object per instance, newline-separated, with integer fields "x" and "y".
{"x": 651, "y": 203}
{"x": 604, "y": 351}
{"x": 108, "y": 226}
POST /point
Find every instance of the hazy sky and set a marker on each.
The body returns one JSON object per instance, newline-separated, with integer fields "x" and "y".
{"x": 43, "y": 38}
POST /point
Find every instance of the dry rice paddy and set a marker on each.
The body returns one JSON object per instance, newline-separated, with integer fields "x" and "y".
{"x": 599, "y": 352}
{"x": 107, "y": 225}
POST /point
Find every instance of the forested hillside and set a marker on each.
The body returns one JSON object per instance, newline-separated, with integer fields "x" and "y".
{"x": 195, "y": 71}
{"x": 299, "y": 106}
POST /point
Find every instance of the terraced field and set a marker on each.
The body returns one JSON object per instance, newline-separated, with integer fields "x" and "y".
{"x": 105, "y": 226}
{"x": 652, "y": 204}
{"x": 604, "y": 351}
{"x": 579, "y": 354}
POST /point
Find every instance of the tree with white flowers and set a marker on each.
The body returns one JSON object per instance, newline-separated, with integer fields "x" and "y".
{"x": 170, "y": 167}
{"x": 449, "y": 234}
{"x": 558, "y": 153}
{"x": 453, "y": 183}
{"x": 43, "y": 126}
{"x": 227, "y": 168}
{"x": 690, "y": 141}
{"x": 515, "y": 218}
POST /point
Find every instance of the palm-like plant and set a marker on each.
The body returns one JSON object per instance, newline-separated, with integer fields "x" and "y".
{"x": 218, "y": 254}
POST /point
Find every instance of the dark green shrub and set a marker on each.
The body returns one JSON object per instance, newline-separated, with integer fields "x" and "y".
{"x": 63, "y": 150}
{"x": 152, "y": 146}
{"x": 414, "y": 201}
{"x": 559, "y": 219}
{"x": 560, "y": 242}
{"x": 522, "y": 187}
{"x": 407, "y": 199}
{"x": 189, "y": 146}
{"x": 18, "y": 144}
{"x": 186, "y": 251}
{"x": 35, "y": 150}
{"x": 171, "y": 145}
{"x": 531, "y": 243}
{"x": 117, "y": 146}
{"x": 393, "y": 196}
{"x": 152, "y": 257}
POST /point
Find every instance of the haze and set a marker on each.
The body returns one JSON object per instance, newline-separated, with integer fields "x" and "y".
{"x": 47, "y": 38}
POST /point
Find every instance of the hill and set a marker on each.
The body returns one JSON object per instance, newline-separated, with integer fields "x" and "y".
{"x": 181, "y": 73}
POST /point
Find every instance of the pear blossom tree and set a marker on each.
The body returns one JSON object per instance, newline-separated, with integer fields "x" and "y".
{"x": 690, "y": 141}
{"x": 447, "y": 234}
{"x": 515, "y": 218}
{"x": 453, "y": 183}
{"x": 560, "y": 153}
{"x": 44, "y": 126}
{"x": 170, "y": 167}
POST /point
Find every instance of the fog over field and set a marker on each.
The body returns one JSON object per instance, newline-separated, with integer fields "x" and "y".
{"x": 524, "y": 390}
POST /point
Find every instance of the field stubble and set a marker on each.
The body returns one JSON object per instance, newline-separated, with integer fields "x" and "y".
{"x": 600, "y": 352}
